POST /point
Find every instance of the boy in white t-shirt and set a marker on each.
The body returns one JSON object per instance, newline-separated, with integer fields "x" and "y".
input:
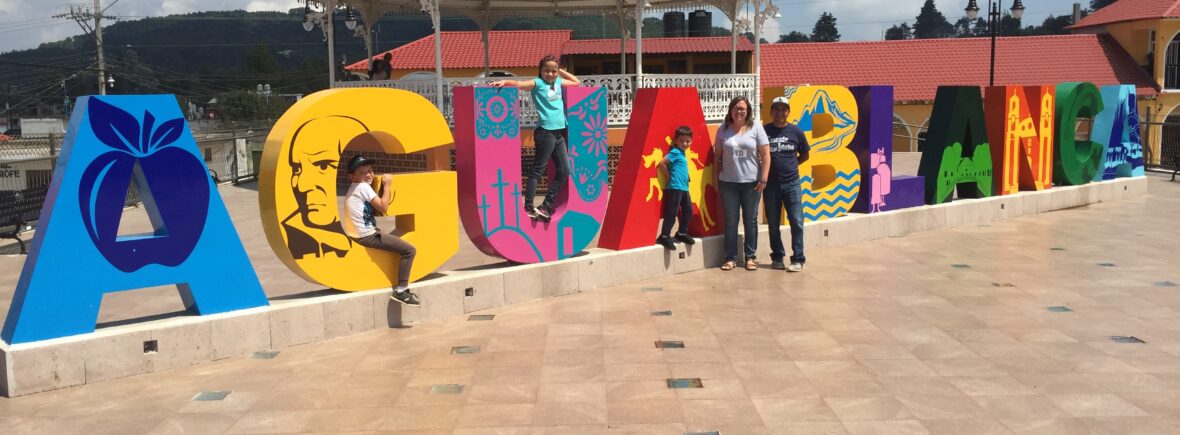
{"x": 360, "y": 225}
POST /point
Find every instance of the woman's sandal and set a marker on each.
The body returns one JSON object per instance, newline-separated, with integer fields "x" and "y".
{"x": 728, "y": 265}
{"x": 751, "y": 264}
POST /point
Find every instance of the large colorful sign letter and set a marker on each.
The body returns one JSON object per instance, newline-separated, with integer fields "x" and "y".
{"x": 828, "y": 117}
{"x": 1076, "y": 161}
{"x": 487, "y": 154}
{"x": 956, "y": 151}
{"x": 634, "y": 209}
{"x": 873, "y": 145}
{"x": 1118, "y": 126}
{"x": 1020, "y": 125}
{"x": 302, "y": 222}
{"x": 78, "y": 254}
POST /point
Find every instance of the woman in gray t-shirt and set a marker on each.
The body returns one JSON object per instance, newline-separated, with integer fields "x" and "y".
{"x": 742, "y": 159}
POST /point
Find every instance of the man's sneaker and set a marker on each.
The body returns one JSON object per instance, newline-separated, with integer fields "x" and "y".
{"x": 778, "y": 264}
{"x": 685, "y": 239}
{"x": 666, "y": 242}
{"x": 543, "y": 213}
{"x": 795, "y": 267}
{"x": 407, "y": 297}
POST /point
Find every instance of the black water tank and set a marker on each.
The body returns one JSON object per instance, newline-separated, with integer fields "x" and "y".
{"x": 673, "y": 24}
{"x": 700, "y": 23}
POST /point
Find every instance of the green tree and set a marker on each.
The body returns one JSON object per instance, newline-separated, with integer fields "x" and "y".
{"x": 248, "y": 105}
{"x": 1009, "y": 26}
{"x": 965, "y": 28}
{"x": 1099, "y": 4}
{"x": 825, "y": 29}
{"x": 261, "y": 61}
{"x": 794, "y": 36}
{"x": 899, "y": 32}
{"x": 1051, "y": 26}
{"x": 930, "y": 23}
{"x": 750, "y": 37}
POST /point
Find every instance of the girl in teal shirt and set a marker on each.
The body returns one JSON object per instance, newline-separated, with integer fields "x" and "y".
{"x": 550, "y": 135}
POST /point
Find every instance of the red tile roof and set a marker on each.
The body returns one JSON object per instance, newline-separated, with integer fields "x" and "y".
{"x": 1130, "y": 10}
{"x": 916, "y": 68}
{"x": 510, "y": 48}
{"x": 704, "y": 44}
{"x": 517, "y": 48}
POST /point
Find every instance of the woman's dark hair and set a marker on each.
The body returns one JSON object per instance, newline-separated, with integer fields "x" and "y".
{"x": 548, "y": 58}
{"x": 729, "y": 113}
{"x": 682, "y": 131}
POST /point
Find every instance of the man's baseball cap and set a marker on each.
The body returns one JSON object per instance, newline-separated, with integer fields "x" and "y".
{"x": 780, "y": 100}
{"x": 356, "y": 162}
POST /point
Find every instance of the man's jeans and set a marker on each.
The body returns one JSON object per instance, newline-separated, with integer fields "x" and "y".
{"x": 743, "y": 197}
{"x": 790, "y": 196}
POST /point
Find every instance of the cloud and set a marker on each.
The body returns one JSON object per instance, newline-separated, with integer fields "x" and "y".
{"x": 282, "y": 6}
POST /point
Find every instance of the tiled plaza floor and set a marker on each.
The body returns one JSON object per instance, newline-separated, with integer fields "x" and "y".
{"x": 945, "y": 332}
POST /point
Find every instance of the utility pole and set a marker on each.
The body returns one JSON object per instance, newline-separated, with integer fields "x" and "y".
{"x": 102, "y": 82}
{"x": 82, "y": 15}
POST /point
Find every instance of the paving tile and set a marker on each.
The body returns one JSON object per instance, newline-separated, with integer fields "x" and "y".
{"x": 867, "y": 408}
{"x": 884, "y": 427}
{"x": 1097, "y": 405}
{"x": 491, "y": 415}
{"x": 804, "y": 408}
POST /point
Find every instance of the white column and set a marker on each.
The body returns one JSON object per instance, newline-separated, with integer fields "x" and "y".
{"x": 370, "y": 15}
{"x": 734, "y": 29}
{"x": 622, "y": 18}
{"x": 431, "y": 7}
{"x": 763, "y": 10}
{"x": 638, "y": 41}
{"x": 485, "y": 32}
{"x": 330, "y": 32}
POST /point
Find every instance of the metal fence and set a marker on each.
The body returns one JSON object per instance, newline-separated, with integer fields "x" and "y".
{"x": 27, "y": 164}
{"x": 1169, "y": 150}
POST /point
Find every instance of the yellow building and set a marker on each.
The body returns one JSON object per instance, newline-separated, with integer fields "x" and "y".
{"x": 1149, "y": 31}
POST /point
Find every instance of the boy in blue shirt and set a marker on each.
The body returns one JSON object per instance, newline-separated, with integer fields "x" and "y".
{"x": 677, "y": 201}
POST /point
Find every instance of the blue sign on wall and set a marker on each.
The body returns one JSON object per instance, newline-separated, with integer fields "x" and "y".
{"x": 77, "y": 254}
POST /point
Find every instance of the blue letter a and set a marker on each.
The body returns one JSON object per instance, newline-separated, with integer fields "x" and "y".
{"x": 77, "y": 254}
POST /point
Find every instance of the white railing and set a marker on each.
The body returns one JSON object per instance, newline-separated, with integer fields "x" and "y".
{"x": 716, "y": 90}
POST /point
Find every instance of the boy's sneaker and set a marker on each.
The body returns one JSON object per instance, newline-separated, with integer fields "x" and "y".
{"x": 685, "y": 239}
{"x": 531, "y": 212}
{"x": 406, "y": 297}
{"x": 666, "y": 242}
{"x": 543, "y": 213}
{"x": 778, "y": 264}
{"x": 795, "y": 267}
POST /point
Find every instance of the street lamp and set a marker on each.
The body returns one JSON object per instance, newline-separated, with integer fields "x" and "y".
{"x": 350, "y": 19}
{"x": 311, "y": 18}
{"x": 993, "y": 22}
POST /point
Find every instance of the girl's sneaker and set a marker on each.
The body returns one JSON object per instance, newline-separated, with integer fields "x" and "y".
{"x": 543, "y": 213}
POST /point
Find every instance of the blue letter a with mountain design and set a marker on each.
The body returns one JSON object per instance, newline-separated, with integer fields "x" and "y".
{"x": 77, "y": 254}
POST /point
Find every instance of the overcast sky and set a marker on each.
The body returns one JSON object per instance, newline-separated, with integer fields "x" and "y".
{"x": 28, "y": 23}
